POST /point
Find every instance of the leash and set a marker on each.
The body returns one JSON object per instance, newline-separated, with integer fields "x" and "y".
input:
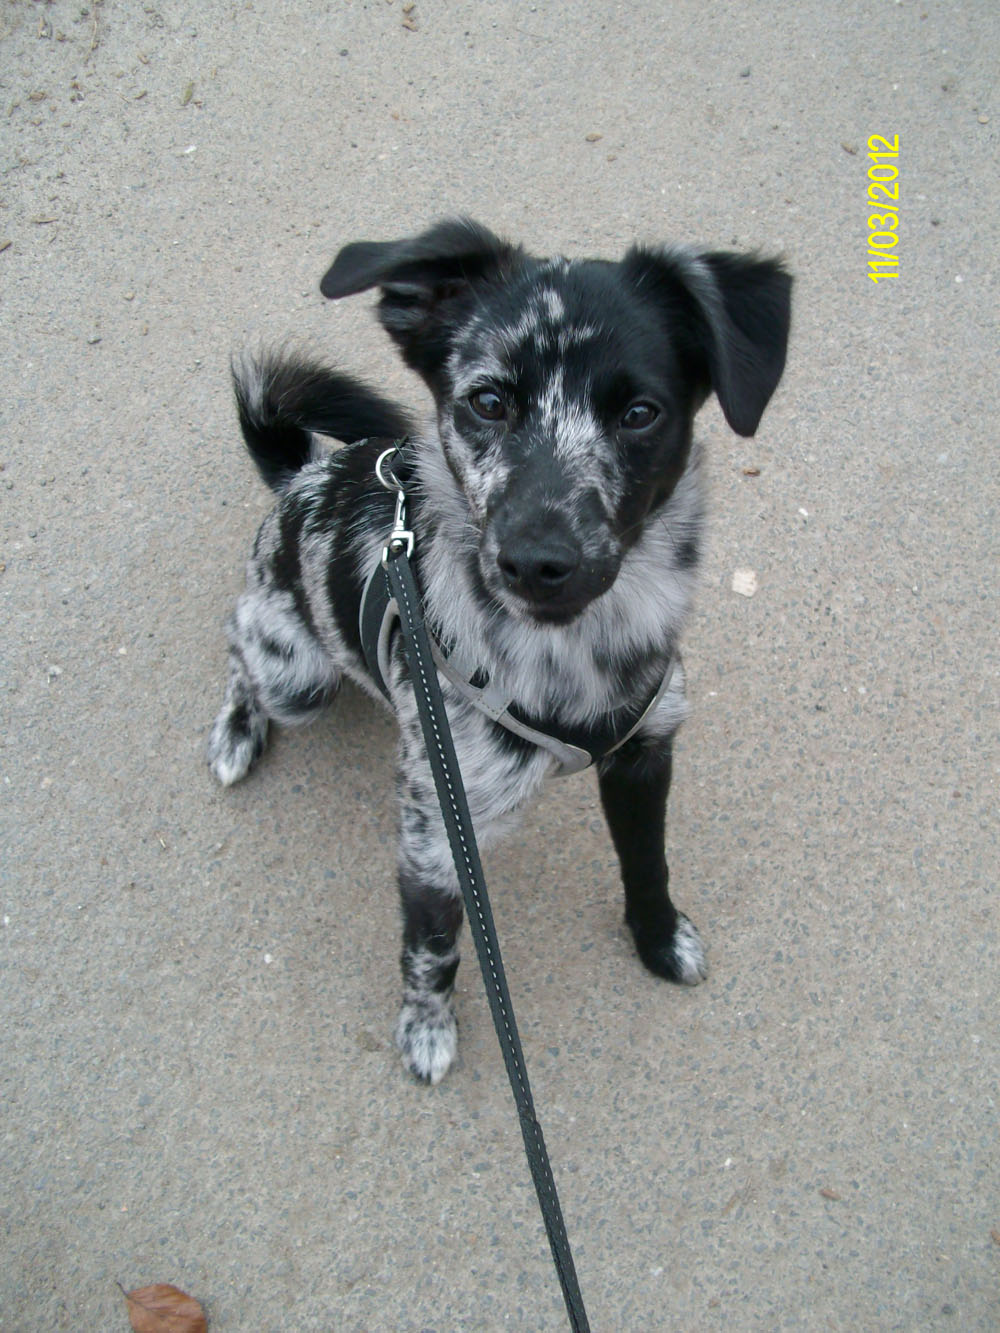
{"x": 402, "y": 589}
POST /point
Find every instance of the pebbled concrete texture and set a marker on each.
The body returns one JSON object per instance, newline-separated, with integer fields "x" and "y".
{"x": 198, "y": 1083}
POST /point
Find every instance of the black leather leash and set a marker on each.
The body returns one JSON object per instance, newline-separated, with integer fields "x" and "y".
{"x": 402, "y": 588}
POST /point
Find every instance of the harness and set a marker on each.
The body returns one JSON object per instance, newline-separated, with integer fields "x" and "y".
{"x": 574, "y": 747}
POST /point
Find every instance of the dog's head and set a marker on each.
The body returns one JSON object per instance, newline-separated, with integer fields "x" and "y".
{"x": 566, "y": 390}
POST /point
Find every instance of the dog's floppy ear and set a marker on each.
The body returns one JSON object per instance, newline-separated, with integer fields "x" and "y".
{"x": 731, "y": 314}
{"x": 425, "y": 280}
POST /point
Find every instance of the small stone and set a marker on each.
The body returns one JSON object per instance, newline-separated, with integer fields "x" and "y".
{"x": 744, "y": 582}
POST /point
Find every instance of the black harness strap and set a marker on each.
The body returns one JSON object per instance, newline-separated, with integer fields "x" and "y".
{"x": 402, "y": 588}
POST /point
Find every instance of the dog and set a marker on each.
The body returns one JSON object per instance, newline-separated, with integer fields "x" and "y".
{"x": 556, "y": 502}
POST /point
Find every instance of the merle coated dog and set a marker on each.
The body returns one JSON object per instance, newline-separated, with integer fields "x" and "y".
{"x": 555, "y": 497}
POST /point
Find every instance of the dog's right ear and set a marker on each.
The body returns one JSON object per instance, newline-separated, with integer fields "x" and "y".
{"x": 426, "y": 282}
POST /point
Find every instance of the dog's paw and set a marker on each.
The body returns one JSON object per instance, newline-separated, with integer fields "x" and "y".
{"x": 679, "y": 957}
{"x": 427, "y": 1036}
{"x": 236, "y": 742}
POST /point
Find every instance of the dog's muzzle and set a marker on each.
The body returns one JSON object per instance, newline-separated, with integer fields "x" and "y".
{"x": 544, "y": 563}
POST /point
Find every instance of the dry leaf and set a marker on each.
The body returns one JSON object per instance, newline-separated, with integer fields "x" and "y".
{"x": 995, "y": 1234}
{"x": 162, "y": 1308}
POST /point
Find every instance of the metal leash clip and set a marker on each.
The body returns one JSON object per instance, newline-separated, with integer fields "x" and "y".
{"x": 401, "y": 537}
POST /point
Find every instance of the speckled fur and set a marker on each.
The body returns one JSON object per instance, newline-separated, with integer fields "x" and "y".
{"x": 556, "y": 543}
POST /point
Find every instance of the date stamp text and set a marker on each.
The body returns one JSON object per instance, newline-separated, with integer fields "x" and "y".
{"x": 883, "y": 195}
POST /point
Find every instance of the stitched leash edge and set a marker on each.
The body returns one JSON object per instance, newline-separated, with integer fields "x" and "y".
{"x": 461, "y": 836}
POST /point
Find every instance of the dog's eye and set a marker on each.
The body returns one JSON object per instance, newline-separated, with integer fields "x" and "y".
{"x": 639, "y": 416}
{"x": 487, "y": 405}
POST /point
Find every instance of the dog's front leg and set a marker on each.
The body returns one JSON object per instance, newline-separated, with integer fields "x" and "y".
{"x": 635, "y": 783}
{"x": 427, "y": 1033}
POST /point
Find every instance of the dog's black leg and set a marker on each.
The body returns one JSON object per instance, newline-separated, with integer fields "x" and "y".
{"x": 634, "y": 783}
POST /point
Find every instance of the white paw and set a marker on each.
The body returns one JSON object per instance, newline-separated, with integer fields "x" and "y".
{"x": 232, "y": 750}
{"x": 688, "y": 952}
{"x": 427, "y": 1036}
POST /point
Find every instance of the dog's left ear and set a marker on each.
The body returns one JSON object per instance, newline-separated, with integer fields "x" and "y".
{"x": 426, "y": 281}
{"x": 730, "y": 315}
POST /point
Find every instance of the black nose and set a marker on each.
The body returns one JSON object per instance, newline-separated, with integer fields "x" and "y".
{"x": 538, "y": 567}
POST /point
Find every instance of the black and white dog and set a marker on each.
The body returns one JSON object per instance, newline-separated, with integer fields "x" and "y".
{"x": 556, "y": 503}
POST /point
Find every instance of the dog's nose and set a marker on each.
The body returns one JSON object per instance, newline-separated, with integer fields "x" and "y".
{"x": 538, "y": 567}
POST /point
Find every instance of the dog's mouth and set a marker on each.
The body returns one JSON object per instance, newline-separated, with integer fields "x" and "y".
{"x": 544, "y": 613}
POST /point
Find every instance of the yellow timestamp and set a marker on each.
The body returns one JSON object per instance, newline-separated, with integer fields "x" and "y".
{"x": 883, "y": 195}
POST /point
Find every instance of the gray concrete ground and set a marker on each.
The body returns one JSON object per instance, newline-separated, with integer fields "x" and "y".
{"x": 199, "y": 986}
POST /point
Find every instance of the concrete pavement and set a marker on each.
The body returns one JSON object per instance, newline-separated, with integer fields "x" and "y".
{"x": 199, "y": 987}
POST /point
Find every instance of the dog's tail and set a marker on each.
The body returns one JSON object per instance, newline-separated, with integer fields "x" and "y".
{"x": 283, "y": 399}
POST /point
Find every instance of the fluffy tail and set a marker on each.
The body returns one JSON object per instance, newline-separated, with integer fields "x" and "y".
{"x": 282, "y": 400}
